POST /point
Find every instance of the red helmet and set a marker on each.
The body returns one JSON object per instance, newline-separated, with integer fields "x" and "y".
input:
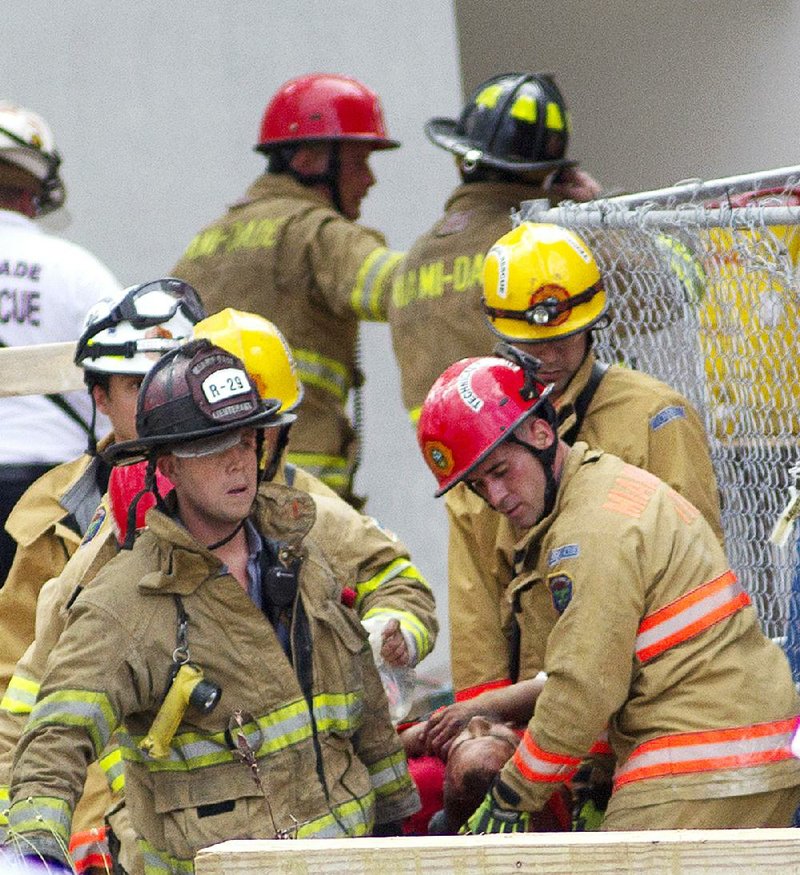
{"x": 474, "y": 406}
{"x": 323, "y": 106}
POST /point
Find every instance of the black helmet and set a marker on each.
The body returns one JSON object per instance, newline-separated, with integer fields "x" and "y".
{"x": 195, "y": 391}
{"x": 514, "y": 122}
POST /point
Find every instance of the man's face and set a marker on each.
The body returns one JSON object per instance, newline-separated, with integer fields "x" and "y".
{"x": 355, "y": 177}
{"x": 118, "y": 403}
{"x": 475, "y": 755}
{"x": 216, "y": 491}
{"x": 511, "y": 479}
{"x": 560, "y": 358}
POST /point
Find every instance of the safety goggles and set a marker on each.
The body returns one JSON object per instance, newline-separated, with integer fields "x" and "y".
{"x": 212, "y": 445}
{"x": 146, "y": 306}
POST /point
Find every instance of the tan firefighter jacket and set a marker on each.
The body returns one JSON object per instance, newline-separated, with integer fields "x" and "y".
{"x": 371, "y": 561}
{"x": 286, "y": 253}
{"x": 435, "y": 310}
{"x": 632, "y": 415}
{"x": 111, "y": 669}
{"x": 47, "y": 523}
{"x": 625, "y": 597}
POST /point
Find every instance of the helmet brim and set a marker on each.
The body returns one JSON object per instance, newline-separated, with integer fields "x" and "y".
{"x": 444, "y": 132}
{"x": 141, "y": 449}
{"x": 378, "y": 144}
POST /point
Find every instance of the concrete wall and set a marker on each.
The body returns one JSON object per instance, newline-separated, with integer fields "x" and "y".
{"x": 658, "y": 92}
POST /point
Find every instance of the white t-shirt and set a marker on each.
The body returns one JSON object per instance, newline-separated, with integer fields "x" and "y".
{"x": 46, "y": 287}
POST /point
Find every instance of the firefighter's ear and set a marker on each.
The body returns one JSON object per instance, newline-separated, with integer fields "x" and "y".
{"x": 166, "y": 465}
{"x": 537, "y": 432}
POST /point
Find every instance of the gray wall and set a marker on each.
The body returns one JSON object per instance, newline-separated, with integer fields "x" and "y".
{"x": 658, "y": 92}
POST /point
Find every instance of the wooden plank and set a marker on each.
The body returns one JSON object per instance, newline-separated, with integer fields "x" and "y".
{"x": 39, "y": 370}
{"x": 662, "y": 852}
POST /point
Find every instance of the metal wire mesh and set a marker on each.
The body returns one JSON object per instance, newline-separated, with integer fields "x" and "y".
{"x": 704, "y": 295}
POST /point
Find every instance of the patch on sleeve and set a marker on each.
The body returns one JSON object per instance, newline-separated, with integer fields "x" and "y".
{"x": 568, "y": 551}
{"x": 677, "y": 411}
{"x": 94, "y": 525}
{"x": 560, "y": 586}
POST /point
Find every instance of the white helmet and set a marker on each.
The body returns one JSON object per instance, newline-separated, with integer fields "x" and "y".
{"x": 26, "y": 142}
{"x": 129, "y": 333}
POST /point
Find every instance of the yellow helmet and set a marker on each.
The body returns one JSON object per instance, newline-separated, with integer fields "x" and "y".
{"x": 541, "y": 282}
{"x": 262, "y": 348}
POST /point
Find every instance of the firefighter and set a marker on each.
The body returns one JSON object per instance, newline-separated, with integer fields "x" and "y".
{"x": 624, "y": 595}
{"x": 544, "y": 294}
{"x": 291, "y": 250}
{"x": 510, "y": 143}
{"x": 386, "y": 586}
{"x": 46, "y": 286}
{"x": 221, "y": 630}
{"x": 120, "y": 339}
{"x": 389, "y": 590}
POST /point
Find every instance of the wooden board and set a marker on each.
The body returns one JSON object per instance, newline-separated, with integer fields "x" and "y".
{"x": 664, "y": 852}
{"x": 39, "y": 370}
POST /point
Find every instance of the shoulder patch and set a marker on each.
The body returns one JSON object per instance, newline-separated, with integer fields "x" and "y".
{"x": 568, "y": 551}
{"x": 676, "y": 411}
{"x": 560, "y": 586}
{"x": 94, "y": 525}
{"x": 454, "y": 223}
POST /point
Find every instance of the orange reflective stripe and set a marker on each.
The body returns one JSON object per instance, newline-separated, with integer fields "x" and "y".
{"x": 471, "y": 692}
{"x": 601, "y": 746}
{"x": 537, "y": 764}
{"x": 89, "y": 850}
{"x": 709, "y": 751}
{"x": 689, "y": 615}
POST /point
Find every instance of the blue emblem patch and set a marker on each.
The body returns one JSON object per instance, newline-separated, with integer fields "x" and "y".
{"x": 94, "y": 526}
{"x": 666, "y": 415}
{"x": 568, "y": 551}
{"x": 560, "y": 586}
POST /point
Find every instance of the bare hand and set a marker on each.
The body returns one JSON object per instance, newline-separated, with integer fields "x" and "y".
{"x": 575, "y": 185}
{"x": 445, "y": 724}
{"x": 394, "y": 649}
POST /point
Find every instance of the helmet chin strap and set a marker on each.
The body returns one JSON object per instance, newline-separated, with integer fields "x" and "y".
{"x": 546, "y": 458}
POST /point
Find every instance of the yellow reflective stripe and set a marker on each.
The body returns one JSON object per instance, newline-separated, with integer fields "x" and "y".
{"x": 41, "y": 814}
{"x": 158, "y": 863}
{"x": 355, "y": 816}
{"x": 368, "y": 298}
{"x": 4, "y": 800}
{"x": 489, "y": 96}
{"x": 20, "y": 695}
{"x": 287, "y": 726}
{"x": 554, "y": 119}
{"x": 91, "y": 711}
{"x": 323, "y": 372}
{"x": 411, "y": 623}
{"x": 113, "y": 764}
{"x": 333, "y": 471}
{"x": 414, "y": 414}
{"x": 392, "y": 570}
{"x": 525, "y": 108}
{"x": 390, "y": 774}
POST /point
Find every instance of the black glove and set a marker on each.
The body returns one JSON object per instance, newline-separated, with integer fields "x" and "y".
{"x": 494, "y": 814}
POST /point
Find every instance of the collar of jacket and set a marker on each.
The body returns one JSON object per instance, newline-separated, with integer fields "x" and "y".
{"x": 280, "y": 512}
{"x": 479, "y": 195}
{"x": 47, "y": 503}
{"x": 527, "y": 547}
{"x": 272, "y": 185}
